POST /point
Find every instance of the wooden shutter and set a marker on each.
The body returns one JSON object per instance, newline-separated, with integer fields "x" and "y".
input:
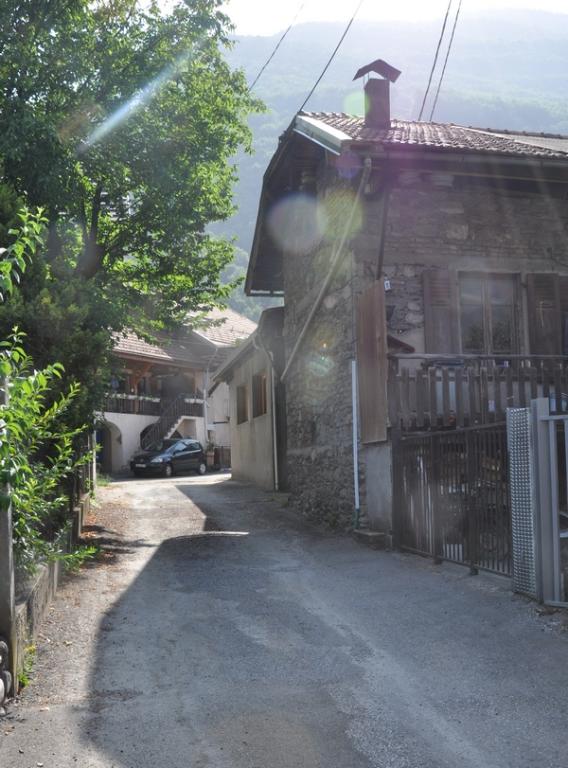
{"x": 372, "y": 363}
{"x": 441, "y": 321}
{"x": 545, "y": 313}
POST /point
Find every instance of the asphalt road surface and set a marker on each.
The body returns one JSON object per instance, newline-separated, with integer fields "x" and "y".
{"x": 219, "y": 630}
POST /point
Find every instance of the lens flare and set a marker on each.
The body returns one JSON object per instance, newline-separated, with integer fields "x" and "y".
{"x": 137, "y": 101}
{"x": 348, "y": 164}
{"x": 296, "y": 224}
{"x": 335, "y": 211}
{"x": 354, "y": 103}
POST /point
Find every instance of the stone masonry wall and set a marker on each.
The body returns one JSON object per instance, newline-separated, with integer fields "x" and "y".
{"x": 318, "y": 386}
{"x": 467, "y": 226}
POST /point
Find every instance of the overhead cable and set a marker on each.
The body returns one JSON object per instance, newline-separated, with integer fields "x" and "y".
{"x": 435, "y": 59}
{"x": 331, "y": 58}
{"x": 446, "y": 61}
{"x": 278, "y": 44}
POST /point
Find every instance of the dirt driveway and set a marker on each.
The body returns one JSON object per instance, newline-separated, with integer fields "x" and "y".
{"x": 220, "y": 630}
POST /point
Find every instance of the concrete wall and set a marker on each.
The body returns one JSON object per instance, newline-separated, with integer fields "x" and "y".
{"x": 218, "y": 413}
{"x": 465, "y": 224}
{"x": 125, "y": 429}
{"x": 193, "y": 427}
{"x": 252, "y": 441}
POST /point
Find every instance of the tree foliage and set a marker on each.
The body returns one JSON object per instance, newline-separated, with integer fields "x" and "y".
{"x": 122, "y": 119}
{"x": 37, "y": 453}
{"x": 37, "y": 449}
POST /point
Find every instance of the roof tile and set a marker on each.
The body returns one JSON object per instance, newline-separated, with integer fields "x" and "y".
{"x": 447, "y": 136}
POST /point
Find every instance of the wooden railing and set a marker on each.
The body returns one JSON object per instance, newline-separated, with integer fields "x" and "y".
{"x": 133, "y": 404}
{"x": 445, "y": 391}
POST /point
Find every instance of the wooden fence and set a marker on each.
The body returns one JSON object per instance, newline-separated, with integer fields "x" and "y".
{"x": 439, "y": 391}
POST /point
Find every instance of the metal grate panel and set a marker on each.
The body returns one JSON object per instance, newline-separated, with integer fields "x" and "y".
{"x": 522, "y": 486}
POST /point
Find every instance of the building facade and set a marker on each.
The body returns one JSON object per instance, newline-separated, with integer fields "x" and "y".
{"x": 461, "y": 233}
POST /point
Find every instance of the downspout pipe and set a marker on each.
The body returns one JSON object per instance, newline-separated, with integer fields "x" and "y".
{"x": 367, "y": 167}
{"x": 357, "y": 510}
{"x": 258, "y": 344}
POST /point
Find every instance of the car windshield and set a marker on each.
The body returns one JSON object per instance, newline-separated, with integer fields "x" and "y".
{"x": 164, "y": 445}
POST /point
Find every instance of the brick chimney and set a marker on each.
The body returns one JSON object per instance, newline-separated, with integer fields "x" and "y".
{"x": 377, "y": 93}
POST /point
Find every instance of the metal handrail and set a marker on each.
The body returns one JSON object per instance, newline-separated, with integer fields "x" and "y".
{"x": 180, "y": 406}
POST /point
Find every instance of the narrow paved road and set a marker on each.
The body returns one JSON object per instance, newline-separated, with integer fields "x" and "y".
{"x": 220, "y": 631}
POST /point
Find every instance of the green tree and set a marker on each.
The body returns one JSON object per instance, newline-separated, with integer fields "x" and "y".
{"x": 121, "y": 120}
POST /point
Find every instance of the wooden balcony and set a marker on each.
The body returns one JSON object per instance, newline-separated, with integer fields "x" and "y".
{"x": 132, "y": 404}
{"x": 152, "y": 406}
{"x": 428, "y": 392}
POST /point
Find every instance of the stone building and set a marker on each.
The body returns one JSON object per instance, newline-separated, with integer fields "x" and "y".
{"x": 385, "y": 236}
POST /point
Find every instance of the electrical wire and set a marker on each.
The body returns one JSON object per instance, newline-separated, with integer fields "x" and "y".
{"x": 435, "y": 59}
{"x": 331, "y": 58}
{"x": 278, "y": 44}
{"x": 446, "y": 60}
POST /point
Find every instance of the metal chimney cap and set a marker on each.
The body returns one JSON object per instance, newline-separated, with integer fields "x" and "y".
{"x": 381, "y": 68}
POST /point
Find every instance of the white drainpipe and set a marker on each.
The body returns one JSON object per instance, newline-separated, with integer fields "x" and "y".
{"x": 355, "y": 441}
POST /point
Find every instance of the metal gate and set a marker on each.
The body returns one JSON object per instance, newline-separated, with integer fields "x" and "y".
{"x": 451, "y": 496}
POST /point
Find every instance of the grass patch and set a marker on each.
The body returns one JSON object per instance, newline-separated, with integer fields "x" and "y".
{"x": 25, "y": 674}
{"x": 74, "y": 561}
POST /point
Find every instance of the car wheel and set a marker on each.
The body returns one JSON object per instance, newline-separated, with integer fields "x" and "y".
{"x": 168, "y": 470}
{"x": 202, "y": 468}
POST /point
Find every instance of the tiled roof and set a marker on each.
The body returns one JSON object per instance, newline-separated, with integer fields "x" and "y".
{"x": 445, "y": 136}
{"x": 189, "y": 350}
{"x": 229, "y": 328}
{"x": 202, "y": 346}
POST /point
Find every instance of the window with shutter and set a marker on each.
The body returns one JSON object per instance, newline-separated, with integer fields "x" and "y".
{"x": 545, "y": 314}
{"x": 471, "y": 312}
{"x": 440, "y": 311}
{"x": 488, "y": 315}
{"x": 372, "y": 363}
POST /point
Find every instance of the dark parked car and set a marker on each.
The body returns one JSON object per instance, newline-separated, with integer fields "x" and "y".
{"x": 170, "y": 456}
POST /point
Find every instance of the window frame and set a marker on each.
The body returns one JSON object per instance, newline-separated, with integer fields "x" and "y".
{"x": 487, "y": 304}
{"x": 241, "y": 398}
{"x": 259, "y": 394}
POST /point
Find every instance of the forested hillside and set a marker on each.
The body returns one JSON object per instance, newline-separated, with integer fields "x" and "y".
{"x": 507, "y": 70}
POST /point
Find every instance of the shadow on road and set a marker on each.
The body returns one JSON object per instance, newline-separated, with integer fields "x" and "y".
{"x": 208, "y": 660}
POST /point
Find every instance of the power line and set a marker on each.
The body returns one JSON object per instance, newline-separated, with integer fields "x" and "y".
{"x": 435, "y": 59}
{"x": 446, "y": 60}
{"x": 278, "y": 44}
{"x": 331, "y": 58}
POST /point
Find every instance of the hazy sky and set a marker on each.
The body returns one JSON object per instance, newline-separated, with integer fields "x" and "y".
{"x": 263, "y": 17}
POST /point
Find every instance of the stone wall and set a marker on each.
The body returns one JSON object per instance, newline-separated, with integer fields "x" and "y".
{"x": 318, "y": 386}
{"x": 464, "y": 224}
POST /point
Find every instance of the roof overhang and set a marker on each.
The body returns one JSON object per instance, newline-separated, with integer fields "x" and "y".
{"x": 225, "y": 372}
{"x": 324, "y": 135}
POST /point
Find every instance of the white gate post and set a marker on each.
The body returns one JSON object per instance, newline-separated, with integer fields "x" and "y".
{"x": 548, "y": 522}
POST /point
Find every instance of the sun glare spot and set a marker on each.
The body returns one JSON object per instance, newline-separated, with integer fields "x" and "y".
{"x": 335, "y": 212}
{"x": 296, "y": 223}
{"x": 137, "y": 101}
{"x": 354, "y": 103}
{"x": 348, "y": 164}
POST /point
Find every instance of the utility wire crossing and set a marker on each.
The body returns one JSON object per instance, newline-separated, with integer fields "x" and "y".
{"x": 278, "y": 44}
{"x": 331, "y": 58}
{"x": 440, "y": 39}
{"x": 446, "y": 61}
